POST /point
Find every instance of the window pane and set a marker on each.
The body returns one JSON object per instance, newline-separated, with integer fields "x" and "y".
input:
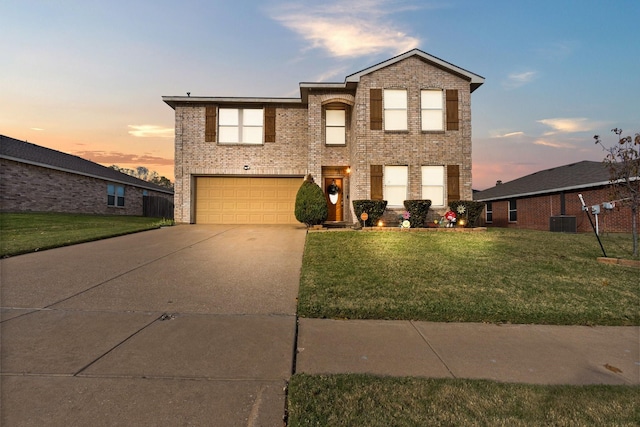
{"x": 120, "y": 191}
{"x": 395, "y": 120}
{"x": 395, "y": 184}
{"x": 120, "y": 201}
{"x": 433, "y": 193}
{"x": 395, "y": 98}
{"x": 432, "y": 120}
{"x": 252, "y": 135}
{"x": 252, "y": 117}
{"x": 111, "y": 200}
{"x": 335, "y": 117}
{"x": 432, "y": 175}
{"x": 395, "y": 196}
{"x": 111, "y": 189}
{"x": 228, "y": 134}
{"x": 431, "y": 99}
{"x": 228, "y": 117}
{"x": 336, "y": 136}
{"x": 395, "y": 175}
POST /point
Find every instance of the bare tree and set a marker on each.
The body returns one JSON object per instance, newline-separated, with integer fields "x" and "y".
{"x": 623, "y": 161}
{"x": 145, "y": 174}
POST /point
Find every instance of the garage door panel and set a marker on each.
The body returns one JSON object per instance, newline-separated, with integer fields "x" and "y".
{"x": 239, "y": 200}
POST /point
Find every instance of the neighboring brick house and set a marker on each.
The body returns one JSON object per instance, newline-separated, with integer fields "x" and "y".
{"x": 548, "y": 200}
{"x": 398, "y": 130}
{"x": 38, "y": 179}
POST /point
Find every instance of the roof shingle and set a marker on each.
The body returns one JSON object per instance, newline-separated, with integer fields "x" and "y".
{"x": 583, "y": 174}
{"x": 22, "y": 151}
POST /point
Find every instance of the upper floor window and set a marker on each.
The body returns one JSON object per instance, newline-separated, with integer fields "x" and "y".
{"x": 115, "y": 195}
{"x": 335, "y": 127}
{"x": 513, "y": 210}
{"x": 395, "y": 109}
{"x": 395, "y": 184}
{"x": 431, "y": 108}
{"x": 489, "y": 213}
{"x": 433, "y": 184}
{"x": 240, "y": 125}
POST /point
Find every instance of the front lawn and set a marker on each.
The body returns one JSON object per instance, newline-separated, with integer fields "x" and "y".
{"x": 501, "y": 275}
{"x": 28, "y": 232}
{"x": 366, "y": 400}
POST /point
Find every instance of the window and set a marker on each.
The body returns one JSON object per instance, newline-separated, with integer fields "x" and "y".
{"x": 513, "y": 211}
{"x": 335, "y": 127}
{"x": 395, "y": 109}
{"x": 431, "y": 109}
{"x": 240, "y": 125}
{"x": 395, "y": 184}
{"x": 433, "y": 184}
{"x": 115, "y": 195}
{"x": 489, "y": 213}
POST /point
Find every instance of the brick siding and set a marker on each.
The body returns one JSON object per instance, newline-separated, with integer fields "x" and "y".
{"x": 534, "y": 212}
{"x": 299, "y": 146}
{"x": 30, "y": 188}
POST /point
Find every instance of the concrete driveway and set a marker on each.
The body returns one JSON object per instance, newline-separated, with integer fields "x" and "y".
{"x": 187, "y": 325}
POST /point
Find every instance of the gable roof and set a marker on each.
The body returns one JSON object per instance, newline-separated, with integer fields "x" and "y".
{"x": 350, "y": 83}
{"x": 574, "y": 176}
{"x": 475, "y": 80}
{"x": 25, "y": 152}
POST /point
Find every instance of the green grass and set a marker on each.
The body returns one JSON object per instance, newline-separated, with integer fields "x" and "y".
{"x": 28, "y": 232}
{"x": 365, "y": 400}
{"x": 498, "y": 276}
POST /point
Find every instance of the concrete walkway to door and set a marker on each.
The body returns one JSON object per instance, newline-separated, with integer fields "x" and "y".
{"x": 187, "y": 325}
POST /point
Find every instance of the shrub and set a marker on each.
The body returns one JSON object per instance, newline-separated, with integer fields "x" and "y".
{"x": 418, "y": 211}
{"x": 472, "y": 211}
{"x": 311, "y": 206}
{"x": 374, "y": 208}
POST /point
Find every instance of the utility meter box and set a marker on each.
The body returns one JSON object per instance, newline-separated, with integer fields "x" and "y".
{"x": 595, "y": 209}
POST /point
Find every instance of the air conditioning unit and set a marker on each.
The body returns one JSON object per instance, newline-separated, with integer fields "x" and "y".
{"x": 563, "y": 224}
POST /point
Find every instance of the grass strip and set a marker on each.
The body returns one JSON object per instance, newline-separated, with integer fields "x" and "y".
{"x": 366, "y": 400}
{"x": 498, "y": 276}
{"x": 29, "y": 232}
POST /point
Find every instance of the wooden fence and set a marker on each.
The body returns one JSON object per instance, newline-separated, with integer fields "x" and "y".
{"x": 157, "y": 207}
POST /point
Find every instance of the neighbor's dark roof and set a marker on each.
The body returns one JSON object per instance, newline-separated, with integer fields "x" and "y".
{"x": 25, "y": 152}
{"x": 575, "y": 176}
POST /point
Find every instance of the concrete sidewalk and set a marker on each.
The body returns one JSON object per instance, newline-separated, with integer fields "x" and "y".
{"x": 508, "y": 353}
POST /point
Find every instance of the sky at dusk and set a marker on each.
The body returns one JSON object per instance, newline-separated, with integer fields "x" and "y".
{"x": 86, "y": 77}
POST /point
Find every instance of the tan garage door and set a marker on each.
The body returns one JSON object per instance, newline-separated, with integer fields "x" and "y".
{"x": 239, "y": 200}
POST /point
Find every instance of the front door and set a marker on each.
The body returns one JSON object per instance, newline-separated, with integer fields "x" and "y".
{"x": 333, "y": 193}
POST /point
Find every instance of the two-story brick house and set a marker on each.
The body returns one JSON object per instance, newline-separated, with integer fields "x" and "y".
{"x": 398, "y": 130}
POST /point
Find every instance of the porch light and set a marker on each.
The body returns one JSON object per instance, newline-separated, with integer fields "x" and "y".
{"x": 348, "y": 170}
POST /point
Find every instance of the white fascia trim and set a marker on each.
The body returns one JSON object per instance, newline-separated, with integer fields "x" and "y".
{"x": 473, "y": 78}
{"x": 173, "y": 100}
{"x": 102, "y": 178}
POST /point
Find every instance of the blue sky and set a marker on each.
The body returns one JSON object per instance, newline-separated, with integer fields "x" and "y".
{"x": 87, "y": 77}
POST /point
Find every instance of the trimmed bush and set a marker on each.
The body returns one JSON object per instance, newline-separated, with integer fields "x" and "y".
{"x": 374, "y": 208}
{"x": 472, "y": 211}
{"x": 418, "y": 211}
{"x": 311, "y": 206}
